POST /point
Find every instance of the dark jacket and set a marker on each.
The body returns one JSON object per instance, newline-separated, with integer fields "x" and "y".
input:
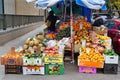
{"x": 53, "y": 20}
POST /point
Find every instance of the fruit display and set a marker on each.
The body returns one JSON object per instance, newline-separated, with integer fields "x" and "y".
{"x": 40, "y": 36}
{"x": 12, "y": 58}
{"x": 109, "y": 52}
{"x": 89, "y": 54}
{"x": 50, "y": 35}
{"x": 63, "y": 33}
{"x": 34, "y": 45}
{"x": 81, "y": 34}
{"x": 64, "y": 25}
{"x": 52, "y": 56}
{"x": 89, "y": 57}
{"x": 102, "y": 37}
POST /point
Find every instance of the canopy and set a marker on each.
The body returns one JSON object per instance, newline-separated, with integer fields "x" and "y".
{"x": 91, "y": 4}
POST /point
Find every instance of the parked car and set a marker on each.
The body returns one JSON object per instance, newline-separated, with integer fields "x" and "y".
{"x": 114, "y": 32}
{"x": 105, "y": 16}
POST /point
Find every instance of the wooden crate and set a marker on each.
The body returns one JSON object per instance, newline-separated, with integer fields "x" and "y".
{"x": 13, "y": 69}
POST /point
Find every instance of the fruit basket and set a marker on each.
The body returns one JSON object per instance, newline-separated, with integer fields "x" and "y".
{"x": 12, "y": 58}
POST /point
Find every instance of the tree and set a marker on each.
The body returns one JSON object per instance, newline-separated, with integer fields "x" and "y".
{"x": 113, "y": 6}
{"x": 116, "y": 5}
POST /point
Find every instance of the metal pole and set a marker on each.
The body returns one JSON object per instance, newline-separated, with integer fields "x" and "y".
{"x": 71, "y": 26}
{"x": 65, "y": 9}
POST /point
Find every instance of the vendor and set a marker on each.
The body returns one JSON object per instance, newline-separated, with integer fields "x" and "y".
{"x": 52, "y": 21}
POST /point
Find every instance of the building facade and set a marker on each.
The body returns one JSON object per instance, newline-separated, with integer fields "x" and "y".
{"x": 19, "y": 7}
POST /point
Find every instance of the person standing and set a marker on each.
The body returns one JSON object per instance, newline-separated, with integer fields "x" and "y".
{"x": 52, "y": 21}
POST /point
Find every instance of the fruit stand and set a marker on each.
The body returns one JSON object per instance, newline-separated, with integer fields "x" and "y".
{"x": 44, "y": 53}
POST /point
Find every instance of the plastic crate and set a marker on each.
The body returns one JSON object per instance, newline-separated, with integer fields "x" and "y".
{"x": 13, "y": 69}
{"x": 111, "y": 59}
{"x": 83, "y": 69}
{"x": 54, "y": 69}
{"x": 110, "y": 68}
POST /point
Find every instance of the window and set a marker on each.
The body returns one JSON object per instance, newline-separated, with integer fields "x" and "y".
{"x": 109, "y": 24}
{"x": 118, "y": 27}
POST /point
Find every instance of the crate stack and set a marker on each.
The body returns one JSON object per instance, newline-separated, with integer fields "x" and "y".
{"x": 111, "y": 62}
{"x": 33, "y": 64}
{"x": 12, "y": 61}
{"x": 89, "y": 61}
{"x": 53, "y": 61}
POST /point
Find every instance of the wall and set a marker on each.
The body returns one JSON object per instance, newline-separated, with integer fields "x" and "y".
{"x": 10, "y": 35}
{"x": 1, "y": 7}
{"x": 9, "y": 6}
{"x": 24, "y": 8}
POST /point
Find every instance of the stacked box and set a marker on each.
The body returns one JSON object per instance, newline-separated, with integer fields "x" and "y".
{"x": 54, "y": 66}
{"x": 12, "y": 61}
{"x": 33, "y": 65}
{"x": 111, "y": 64}
{"x": 13, "y": 69}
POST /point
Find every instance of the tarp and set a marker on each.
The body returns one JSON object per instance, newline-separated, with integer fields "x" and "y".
{"x": 30, "y": 0}
{"x": 92, "y": 4}
{"x": 43, "y": 4}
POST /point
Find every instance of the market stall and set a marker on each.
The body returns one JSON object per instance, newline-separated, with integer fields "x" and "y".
{"x": 44, "y": 53}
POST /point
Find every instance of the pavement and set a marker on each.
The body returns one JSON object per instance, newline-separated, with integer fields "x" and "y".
{"x": 70, "y": 73}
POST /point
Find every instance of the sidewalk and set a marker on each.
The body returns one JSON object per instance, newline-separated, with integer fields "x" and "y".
{"x": 71, "y": 70}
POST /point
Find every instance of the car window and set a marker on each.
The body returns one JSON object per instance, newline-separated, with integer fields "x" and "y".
{"x": 118, "y": 27}
{"x": 109, "y": 24}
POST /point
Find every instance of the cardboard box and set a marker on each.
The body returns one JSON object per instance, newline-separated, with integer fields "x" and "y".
{"x": 33, "y": 70}
{"x": 32, "y": 61}
{"x": 48, "y": 60}
{"x": 54, "y": 69}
